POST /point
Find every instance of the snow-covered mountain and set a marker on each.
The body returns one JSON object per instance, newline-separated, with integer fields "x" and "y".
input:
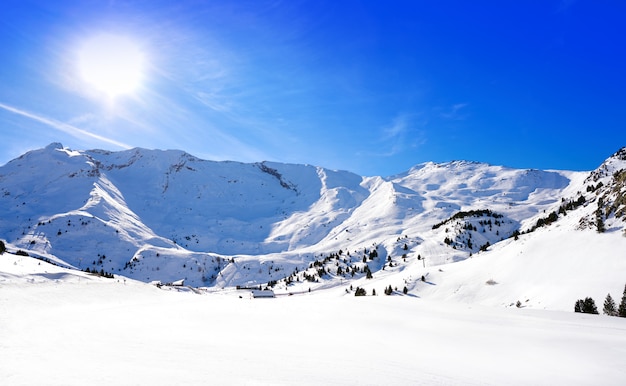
{"x": 166, "y": 215}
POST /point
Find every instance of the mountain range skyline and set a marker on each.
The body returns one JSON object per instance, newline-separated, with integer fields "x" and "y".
{"x": 154, "y": 214}
{"x": 364, "y": 86}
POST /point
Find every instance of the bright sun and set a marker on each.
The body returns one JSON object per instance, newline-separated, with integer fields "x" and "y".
{"x": 111, "y": 64}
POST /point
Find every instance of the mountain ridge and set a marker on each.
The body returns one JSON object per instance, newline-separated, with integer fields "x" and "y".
{"x": 167, "y": 215}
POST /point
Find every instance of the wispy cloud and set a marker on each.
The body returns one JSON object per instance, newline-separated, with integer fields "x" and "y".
{"x": 397, "y": 128}
{"x": 400, "y": 135}
{"x": 61, "y": 126}
{"x": 212, "y": 101}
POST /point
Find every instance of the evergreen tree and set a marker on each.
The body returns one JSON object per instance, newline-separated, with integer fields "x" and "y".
{"x": 405, "y": 290}
{"x": 3, "y": 247}
{"x": 359, "y": 292}
{"x": 388, "y": 290}
{"x": 368, "y": 273}
{"x": 609, "y": 306}
{"x": 552, "y": 217}
{"x": 589, "y": 306}
{"x": 578, "y": 306}
{"x": 621, "y": 310}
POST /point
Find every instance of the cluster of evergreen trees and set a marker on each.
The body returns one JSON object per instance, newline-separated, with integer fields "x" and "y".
{"x": 588, "y": 306}
{"x": 100, "y": 273}
{"x": 470, "y": 213}
{"x": 563, "y": 209}
{"x": 592, "y": 188}
{"x": 360, "y": 292}
{"x": 339, "y": 263}
{"x": 388, "y": 291}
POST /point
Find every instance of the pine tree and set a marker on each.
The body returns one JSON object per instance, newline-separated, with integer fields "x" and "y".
{"x": 589, "y": 306}
{"x": 3, "y": 247}
{"x": 609, "y": 306}
{"x": 359, "y": 292}
{"x": 578, "y": 306}
{"x": 621, "y": 310}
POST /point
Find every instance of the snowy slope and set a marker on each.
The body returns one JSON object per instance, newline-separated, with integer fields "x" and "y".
{"x": 62, "y": 327}
{"x": 166, "y": 215}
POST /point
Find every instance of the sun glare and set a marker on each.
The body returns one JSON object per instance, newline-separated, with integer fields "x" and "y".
{"x": 111, "y": 64}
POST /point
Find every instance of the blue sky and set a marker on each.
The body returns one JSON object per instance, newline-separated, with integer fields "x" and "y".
{"x": 368, "y": 86}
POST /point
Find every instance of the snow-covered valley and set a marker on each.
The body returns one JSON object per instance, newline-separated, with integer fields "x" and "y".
{"x": 483, "y": 265}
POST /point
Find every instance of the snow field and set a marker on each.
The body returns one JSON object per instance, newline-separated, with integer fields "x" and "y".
{"x": 78, "y": 329}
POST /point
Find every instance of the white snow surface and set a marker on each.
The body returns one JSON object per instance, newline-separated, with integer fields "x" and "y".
{"x": 62, "y": 327}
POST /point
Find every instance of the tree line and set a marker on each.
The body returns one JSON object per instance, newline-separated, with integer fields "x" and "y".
{"x": 588, "y": 306}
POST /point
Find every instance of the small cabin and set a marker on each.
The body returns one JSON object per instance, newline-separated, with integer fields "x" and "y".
{"x": 263, "y": 294}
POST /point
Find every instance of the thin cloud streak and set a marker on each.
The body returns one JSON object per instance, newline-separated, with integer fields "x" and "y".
{"x": 394, "y": 135}
{"x": 398, "y": 136}
{"x": 402, "y": 135}
{"x": 64, "y": 127}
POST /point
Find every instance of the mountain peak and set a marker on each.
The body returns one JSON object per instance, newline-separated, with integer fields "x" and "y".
{"x": 54, "y": 146}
